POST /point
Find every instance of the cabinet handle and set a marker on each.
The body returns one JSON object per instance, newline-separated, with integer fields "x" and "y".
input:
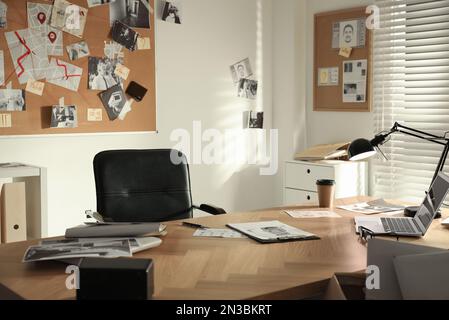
{"x": 308, "y": 171}
{"x": 308, "y": 198}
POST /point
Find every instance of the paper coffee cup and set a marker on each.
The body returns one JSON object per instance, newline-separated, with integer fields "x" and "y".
{"x": 326, "y": 193}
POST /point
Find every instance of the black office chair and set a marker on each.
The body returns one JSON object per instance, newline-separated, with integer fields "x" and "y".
{"x": 144, "y": 186}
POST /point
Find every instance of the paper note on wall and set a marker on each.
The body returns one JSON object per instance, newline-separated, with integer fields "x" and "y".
{"x": 354, "y": 81}
{"x": 94, "y": 115}
{"x": 143, "y": 43}
{"x": 345, "y": 52}
{"x": 328, "y": 77}
{"x": 35, "y": 87}
{"x": 121, "y": 71}
{"x": 5, "y": 120}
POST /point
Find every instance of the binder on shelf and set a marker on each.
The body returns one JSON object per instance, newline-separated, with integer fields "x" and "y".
{"x": 13, "y": 213}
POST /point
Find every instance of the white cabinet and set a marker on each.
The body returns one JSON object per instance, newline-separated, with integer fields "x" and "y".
{"x": 301, "y": 176}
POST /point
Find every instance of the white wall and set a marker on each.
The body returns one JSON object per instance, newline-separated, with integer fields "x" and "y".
{"x": 289, "y": 67}
{"x": 331, "y": 127}
{"x": 193, "y": 83}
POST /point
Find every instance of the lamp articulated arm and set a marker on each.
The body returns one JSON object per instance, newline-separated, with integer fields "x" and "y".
{"x": 380, "y": 139}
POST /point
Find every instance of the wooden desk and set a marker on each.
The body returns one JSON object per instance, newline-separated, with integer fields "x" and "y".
{"x": 199, "y": 268}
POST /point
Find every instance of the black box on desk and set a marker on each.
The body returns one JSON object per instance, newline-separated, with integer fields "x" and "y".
{"x": 115, "y": 279}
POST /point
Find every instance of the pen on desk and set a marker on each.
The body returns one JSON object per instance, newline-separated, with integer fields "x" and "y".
{"x": 194, "y": 225}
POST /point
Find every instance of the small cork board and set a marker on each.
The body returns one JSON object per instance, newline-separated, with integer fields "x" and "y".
{"x": 330, "y": 98}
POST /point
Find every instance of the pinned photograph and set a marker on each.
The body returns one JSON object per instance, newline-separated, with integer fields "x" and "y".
{"x": 133, "y": 13}
{"x": 78, "y": 50}
{"x": 96, "y": 3}
{"x": 102, "y": 73}
{"x": 349, "y": 34}
{"x": 64, "y": 117}
{"x": 3, "y": 15}
{"x": 247, "y": 89}
{"x": 12, "y": 100}
{"x": 124, "y": 35}
{"x": 114, "y": 100}
{"x": 241, "y": 70}
{"x": 172, "y": 12}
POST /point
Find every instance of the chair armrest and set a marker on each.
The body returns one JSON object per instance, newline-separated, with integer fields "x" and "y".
{"x": 210, "y": 209}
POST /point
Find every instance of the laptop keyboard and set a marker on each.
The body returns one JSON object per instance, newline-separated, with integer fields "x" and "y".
{"x": 397, "y": 225}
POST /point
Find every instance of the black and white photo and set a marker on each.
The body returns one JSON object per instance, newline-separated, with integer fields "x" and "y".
{"x": 247, "y": 89}
{"x": 256, "y": 120}
{"x": 348, "y": 67}
{"x": 350, "y": 88}
{"x": 134, "y": 13}
{"x": 78, "y": 50}
{"x": 101, "y": 73}
{"x": 114, "y": 100}
{"x": 172, "y": 12}
{"x": 124, "y": 35}
{"x": 241, "y": 70}
{"x": 96, "y": 3}
{"x": 64, "y": 117}
{"x": 12, "y": 100}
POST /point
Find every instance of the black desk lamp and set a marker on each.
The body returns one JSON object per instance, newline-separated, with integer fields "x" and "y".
{"x": 362, "y": 149}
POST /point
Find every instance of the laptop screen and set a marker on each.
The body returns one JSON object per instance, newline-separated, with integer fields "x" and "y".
{"x": 433, "y": 201}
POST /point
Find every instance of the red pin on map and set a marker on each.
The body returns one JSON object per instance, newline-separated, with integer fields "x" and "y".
{"x": 52, "y": 37}
{"x": 41, "y": 17}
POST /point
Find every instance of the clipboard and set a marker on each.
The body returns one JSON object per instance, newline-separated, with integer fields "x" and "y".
{"x": 272, "y": 232}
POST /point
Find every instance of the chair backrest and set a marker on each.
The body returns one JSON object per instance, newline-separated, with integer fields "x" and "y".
{"x": 142, "y": 186}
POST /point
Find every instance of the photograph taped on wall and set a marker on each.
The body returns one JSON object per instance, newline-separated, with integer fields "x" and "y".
{"x": 247, "y": 89}
{"x": 35, "y": 87}
{"x": 355, "y": 81}
{"x": 172, "y": 12}
{"x": 349, "y": 34}
{"x": 241, "y": 70}
{"x": 114, "y": 100}
{"x": 124, "y": 35}
{"x": 78, "y": 50}
{"x": 102, "y": 73}
{"x": 133, "y": 13}
{"x": 255, "y": 120}
{"x": 12, "y": 100}
{"x": 69, "y": 18}
{"x": 96, "y": 3}
{"x": 64, "y": 117}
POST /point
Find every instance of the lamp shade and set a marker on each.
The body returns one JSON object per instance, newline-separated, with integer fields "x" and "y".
{"x": 361, "y": 149}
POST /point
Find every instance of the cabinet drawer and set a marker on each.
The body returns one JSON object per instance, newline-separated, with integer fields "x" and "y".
{"x": 294, "y": 197}
{"x": 304, "y": 176}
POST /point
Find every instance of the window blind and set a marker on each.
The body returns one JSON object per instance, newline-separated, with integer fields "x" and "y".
{"x": 410, "y": 86}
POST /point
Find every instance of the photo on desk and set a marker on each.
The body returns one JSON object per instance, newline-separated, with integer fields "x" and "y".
{"x": 64, "y": 117}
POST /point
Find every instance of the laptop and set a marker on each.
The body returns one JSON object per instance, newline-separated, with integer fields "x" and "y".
{"x": 410, "y": 227}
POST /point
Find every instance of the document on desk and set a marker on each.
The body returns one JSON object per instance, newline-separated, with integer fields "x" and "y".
{"x": 373, "y": 207}
{"x": 218, "y": 233}
{"x": 299, "y": 214}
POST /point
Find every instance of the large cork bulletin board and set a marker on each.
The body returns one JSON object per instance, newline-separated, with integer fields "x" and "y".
{"x": 37, "y": 117}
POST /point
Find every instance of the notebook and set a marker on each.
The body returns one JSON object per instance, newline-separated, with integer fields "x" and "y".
{"x": 116, "y": 230}
{"x": 272, "y": 231}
